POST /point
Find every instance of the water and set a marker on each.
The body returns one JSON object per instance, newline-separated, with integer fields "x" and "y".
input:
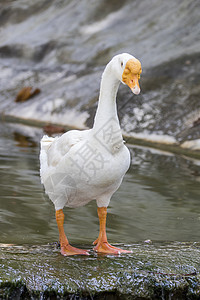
{"x": 158, "y": 199}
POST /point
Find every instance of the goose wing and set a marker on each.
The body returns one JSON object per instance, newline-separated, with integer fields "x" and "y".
{"x": 54, "y": 149}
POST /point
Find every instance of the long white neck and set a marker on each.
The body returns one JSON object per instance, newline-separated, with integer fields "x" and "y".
{"x": 106, "y": 129}
{"x": 107, "y": 109}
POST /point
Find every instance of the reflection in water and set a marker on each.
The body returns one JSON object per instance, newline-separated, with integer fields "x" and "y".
{"x": 23, "y": 141}
{"x": 158, "y": 199}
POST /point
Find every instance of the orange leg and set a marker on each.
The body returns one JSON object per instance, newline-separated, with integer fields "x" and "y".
{"x": 101, "y": 243}
{"x": 66, "y": 248}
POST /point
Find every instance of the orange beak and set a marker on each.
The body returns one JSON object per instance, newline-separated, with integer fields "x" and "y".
{"x": 131, "y": 75}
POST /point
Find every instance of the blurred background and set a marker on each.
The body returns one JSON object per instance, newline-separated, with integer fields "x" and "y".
{"x": 61, "y": 48}
{"x": 55, "y": 52}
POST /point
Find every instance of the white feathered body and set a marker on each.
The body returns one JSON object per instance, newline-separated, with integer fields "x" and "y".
{"x": 79, "y": 167}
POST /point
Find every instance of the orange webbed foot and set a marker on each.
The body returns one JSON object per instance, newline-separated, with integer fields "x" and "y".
{"x": 106, "y": 248}
{"x": 102, "y": 245}
{"x": 68, "y": 250}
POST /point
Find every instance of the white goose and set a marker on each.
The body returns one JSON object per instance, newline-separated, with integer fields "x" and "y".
{"x": 81, "y": 166}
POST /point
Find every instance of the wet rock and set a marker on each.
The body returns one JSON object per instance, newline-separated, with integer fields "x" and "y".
{"x": 153, "y": 271}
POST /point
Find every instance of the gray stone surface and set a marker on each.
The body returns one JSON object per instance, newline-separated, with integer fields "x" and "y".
{"x": 152, "y": 271}
{"x": 62, "y": 47}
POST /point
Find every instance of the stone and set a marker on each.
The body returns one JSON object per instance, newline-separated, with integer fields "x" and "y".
{"x": 152, "y": 271}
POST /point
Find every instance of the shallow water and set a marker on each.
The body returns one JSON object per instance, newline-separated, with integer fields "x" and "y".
{"x": 158, "y": 199}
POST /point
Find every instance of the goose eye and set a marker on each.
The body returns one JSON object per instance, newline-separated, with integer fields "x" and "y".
{"x": 121, "y": 64}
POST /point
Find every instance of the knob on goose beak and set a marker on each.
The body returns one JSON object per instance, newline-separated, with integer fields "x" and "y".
{"x": 131, "y": 75}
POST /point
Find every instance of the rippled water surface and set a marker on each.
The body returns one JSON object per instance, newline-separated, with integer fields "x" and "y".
{"x": 158, "y": 199}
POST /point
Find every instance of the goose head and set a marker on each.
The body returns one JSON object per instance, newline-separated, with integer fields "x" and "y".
{"x": 128, "y": 69}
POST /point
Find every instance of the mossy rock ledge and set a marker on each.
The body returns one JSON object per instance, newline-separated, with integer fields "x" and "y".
{"x": 153, "y": 271}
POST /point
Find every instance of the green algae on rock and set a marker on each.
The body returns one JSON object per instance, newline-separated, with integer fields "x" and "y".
{"x": 152, "y": 271}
